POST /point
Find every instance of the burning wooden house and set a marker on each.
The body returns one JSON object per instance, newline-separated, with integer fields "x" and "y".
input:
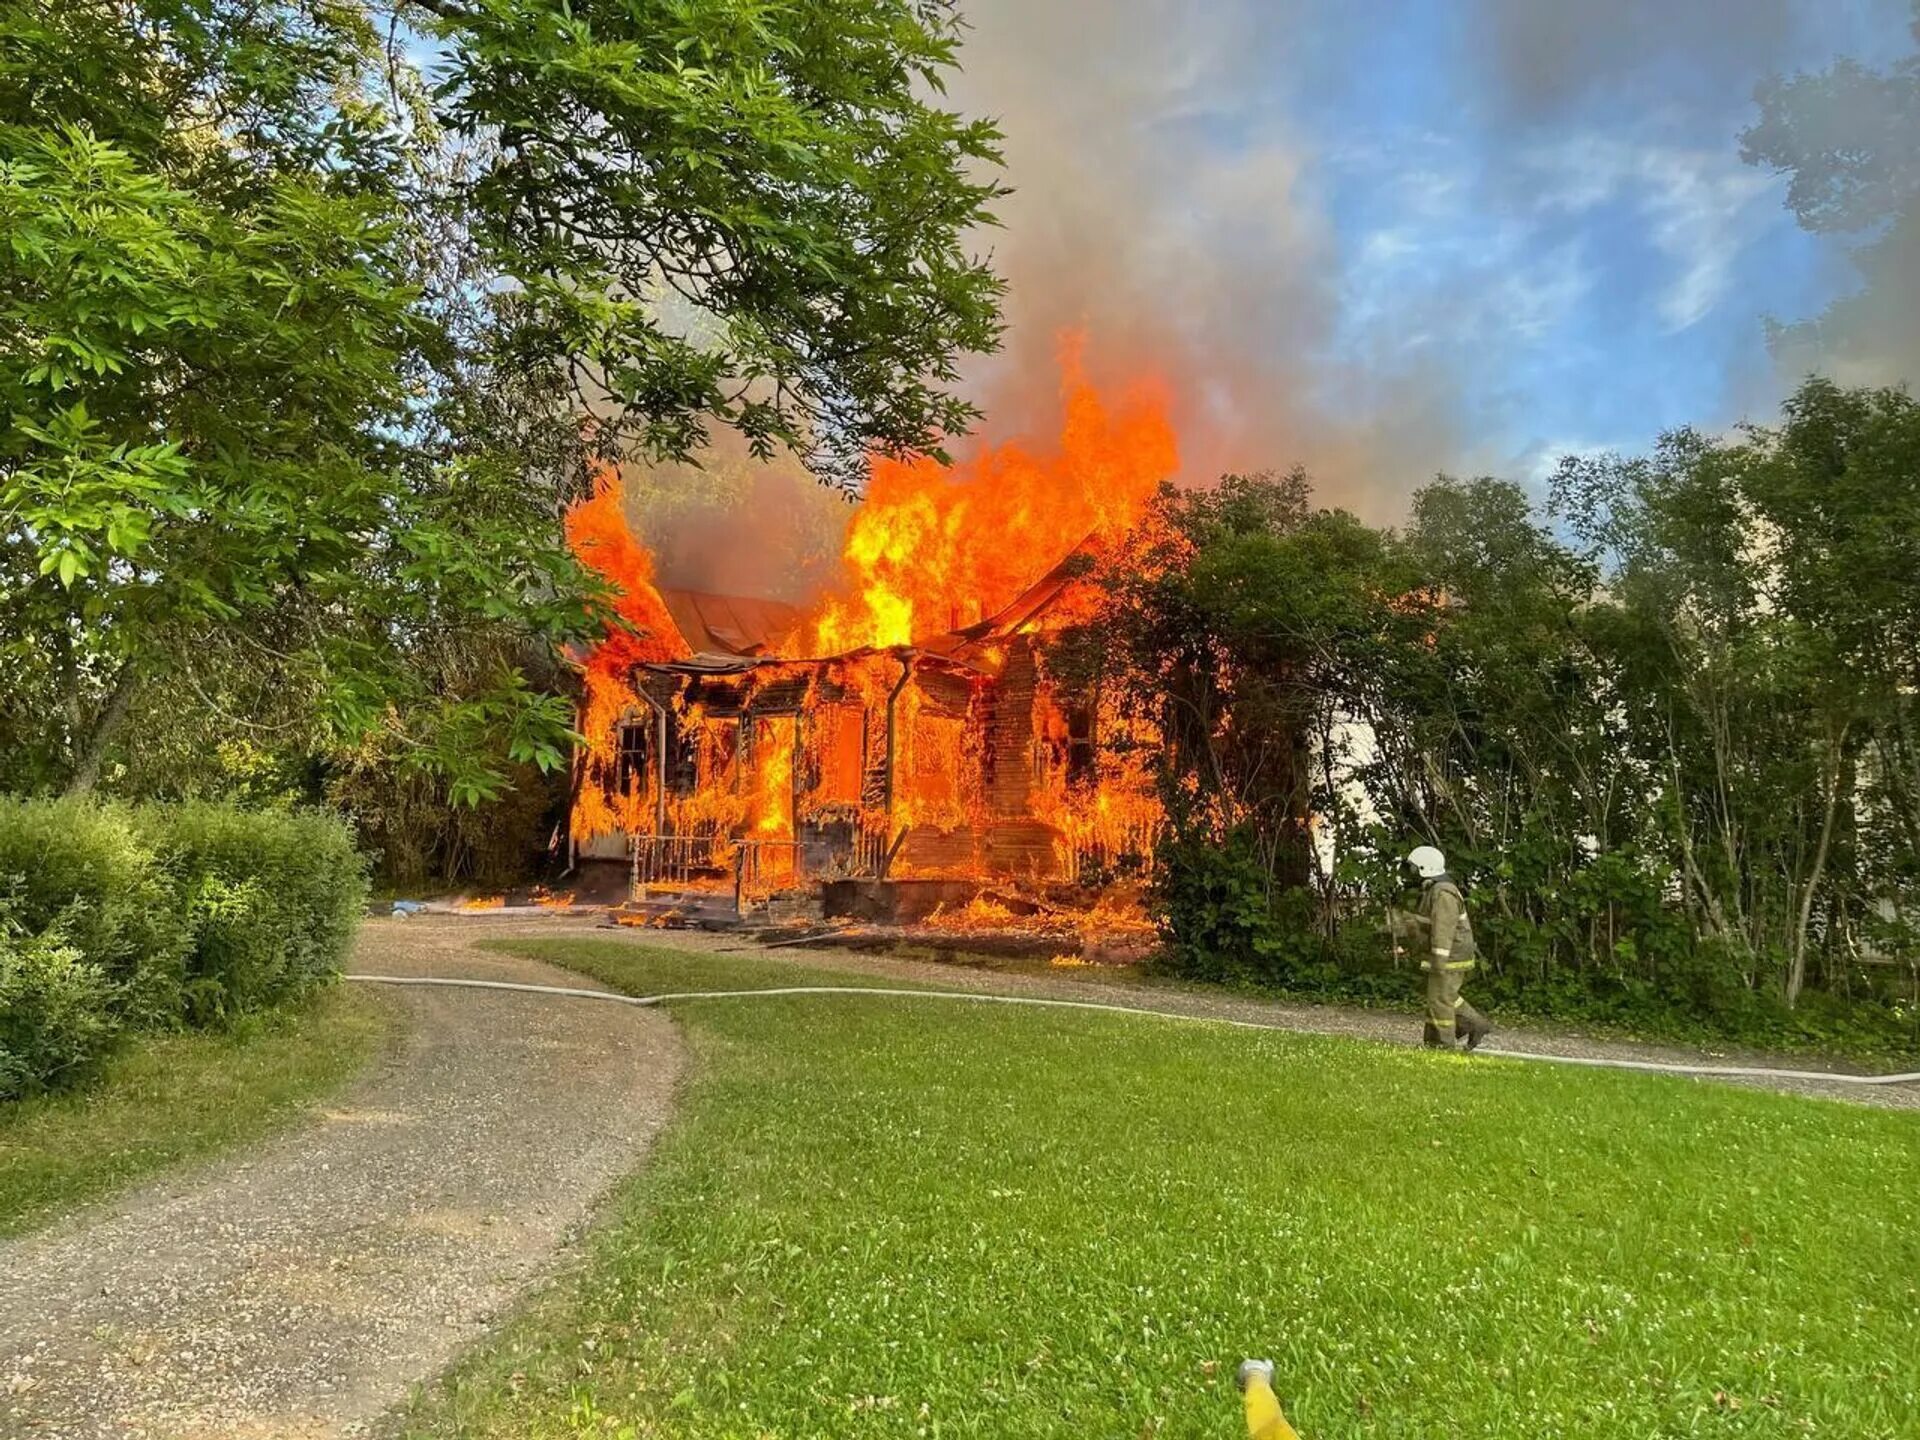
{"x": 962, "y": 757}
{"x": 920, "y": 726}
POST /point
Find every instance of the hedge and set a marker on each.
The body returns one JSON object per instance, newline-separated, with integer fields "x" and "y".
{"x": 115, "y": 919}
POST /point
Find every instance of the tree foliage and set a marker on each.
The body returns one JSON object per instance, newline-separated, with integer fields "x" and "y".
{"x": 303, "y": 351}
{"x": 737, "y": 210}
{"x": 1665, "y": 729}
{"x": 1848, "y": 140}
{"x": 1241, "y": 624}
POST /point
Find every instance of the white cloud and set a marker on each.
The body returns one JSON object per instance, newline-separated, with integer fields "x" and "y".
{"x": 1446, "y": 267}
{"x": 1700, "y": 208}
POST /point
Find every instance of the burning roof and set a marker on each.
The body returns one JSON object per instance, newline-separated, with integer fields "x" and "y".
{"x": 936, "y": 549}
{"x": 736, "y": 626}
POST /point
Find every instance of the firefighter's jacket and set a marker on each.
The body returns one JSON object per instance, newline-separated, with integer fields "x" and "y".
{"x": 1442, "y": 923}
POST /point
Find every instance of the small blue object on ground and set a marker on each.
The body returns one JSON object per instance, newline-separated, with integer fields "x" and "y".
{"x": 403, "y": 908}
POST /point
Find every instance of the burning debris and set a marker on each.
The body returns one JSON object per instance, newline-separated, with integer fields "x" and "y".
{"x": 917, "y": 723}
{"x": 1116, "y": 914}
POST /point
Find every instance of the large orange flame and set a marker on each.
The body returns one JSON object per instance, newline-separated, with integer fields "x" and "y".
{"x": 933, "y": 548}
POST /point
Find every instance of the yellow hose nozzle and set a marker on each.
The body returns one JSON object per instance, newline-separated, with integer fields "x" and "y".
{"x": 1264, "y": 1420}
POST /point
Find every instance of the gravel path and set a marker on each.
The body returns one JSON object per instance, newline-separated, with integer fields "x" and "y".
{"x": 1378, "y": 1025}
{"x": 296, "y": 1291}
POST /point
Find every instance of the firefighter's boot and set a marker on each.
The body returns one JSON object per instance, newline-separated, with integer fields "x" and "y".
{"x": 1470, "y": 1025}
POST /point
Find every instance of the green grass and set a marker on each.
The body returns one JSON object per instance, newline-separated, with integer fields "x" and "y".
{"x": 165, "y": 1099}
{"x": 919, "y": 1218}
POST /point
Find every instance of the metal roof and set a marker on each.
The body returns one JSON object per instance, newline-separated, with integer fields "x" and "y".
{"x": 733, "y": 626}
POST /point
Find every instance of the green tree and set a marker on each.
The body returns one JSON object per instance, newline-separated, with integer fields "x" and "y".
{"x": 1245, "y": 627}
{"x": 733, "y": 210}
{"x": 1493, "y": 739}
{"x": 1762, "y": 596}
{"x": 302, "y": 359}
{"x": 225, "y": 374}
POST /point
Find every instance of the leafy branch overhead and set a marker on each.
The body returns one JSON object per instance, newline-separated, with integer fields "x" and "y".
{"x": 740, "y": 210}
{"x": 308, "y": 338}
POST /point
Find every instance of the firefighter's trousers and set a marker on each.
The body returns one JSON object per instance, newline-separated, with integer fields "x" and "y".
{"x": 1449, "y": 1018}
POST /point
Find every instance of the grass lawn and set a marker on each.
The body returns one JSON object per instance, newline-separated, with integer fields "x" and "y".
{"x": 921, "y": 1218}
{"x": 163, "y": 1099}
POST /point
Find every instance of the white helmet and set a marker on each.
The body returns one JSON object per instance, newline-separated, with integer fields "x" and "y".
{"x": 1427, "y": 862}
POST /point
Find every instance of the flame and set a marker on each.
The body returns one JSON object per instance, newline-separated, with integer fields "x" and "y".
{"x": 933, "y": 549}
{"x": 773, "y": 746}
{"x": 661, "y": 921}
{"x": 1118, "y": 914}
{"x": 483, "y": 902}
{"x": 982, "y": 912}
{"x": 640, "y": 631}
{"x": 968, "y": 779}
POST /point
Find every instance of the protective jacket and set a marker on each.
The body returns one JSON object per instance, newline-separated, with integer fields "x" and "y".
{"x": 1442, "y": 917}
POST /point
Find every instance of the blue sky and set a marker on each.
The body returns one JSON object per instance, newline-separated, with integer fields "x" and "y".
{"x": 1393, "y": 238}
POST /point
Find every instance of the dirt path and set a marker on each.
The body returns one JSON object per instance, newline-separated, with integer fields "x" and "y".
{"x": 299, "y": 1289}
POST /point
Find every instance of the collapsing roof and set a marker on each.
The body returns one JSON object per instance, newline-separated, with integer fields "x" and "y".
{"x": 728, "y": 634}
{"x": 735, "y": 626}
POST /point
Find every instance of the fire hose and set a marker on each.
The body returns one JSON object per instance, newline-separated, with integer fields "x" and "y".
{"x": 1654, "y": 1067}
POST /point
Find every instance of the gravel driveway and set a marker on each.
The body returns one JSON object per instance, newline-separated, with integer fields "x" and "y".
{"x": 297, "y": 1290}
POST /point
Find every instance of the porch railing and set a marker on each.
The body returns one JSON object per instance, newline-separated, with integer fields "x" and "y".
{"x": 755, "y": 868}
{"x": 675, "y": 860}
{"x": 763, "y": 868}
{"x": 1132, "y": 842}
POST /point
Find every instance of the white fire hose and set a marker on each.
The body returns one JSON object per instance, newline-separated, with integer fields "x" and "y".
{"x": 1749, "y": 1072}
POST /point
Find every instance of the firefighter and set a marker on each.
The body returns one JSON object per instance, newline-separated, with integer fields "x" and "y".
{"x": 1443, "y": 932}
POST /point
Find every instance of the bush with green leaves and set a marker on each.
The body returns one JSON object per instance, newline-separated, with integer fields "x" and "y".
{"x": 91, "y": 872}
{"x": 1217, "y": 909}
{"x": 55, "y": 1007}
{"x": 271, "y": 900}
{"x": 118, "y": 918}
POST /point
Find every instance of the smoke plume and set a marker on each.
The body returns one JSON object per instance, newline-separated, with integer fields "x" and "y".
{"x": 1376, "y": 240}
{"x": 1163, "y": 208}
{"x": 1171, "y": 202}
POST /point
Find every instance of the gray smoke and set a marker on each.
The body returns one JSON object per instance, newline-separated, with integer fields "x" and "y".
{"x": 1872, "y": 336}
{"x": 1167, "y": 205}
{"x": 738, "y": 526}
{"x": 1164, "y": 204}
{"x": 1207, "y": 261}
{"x": 1548, "y": 58}
{"x": 1545, "y": 56}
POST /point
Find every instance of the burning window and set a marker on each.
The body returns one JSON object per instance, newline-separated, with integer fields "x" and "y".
{"x": 772, "y": 739}
{"x": 683, "y": 756}
{"x": 630, "y": 759}
{"x": 936, "y": 758}
{"x": 841, "y": 753}
{"x": 1083, "y": 753}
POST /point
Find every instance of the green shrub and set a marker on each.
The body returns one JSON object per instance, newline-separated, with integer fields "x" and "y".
{"x": 86, "y": 868}
{"x": 55, "y": 1008}
{"x": 159, "y": 916}
{"x": 1213, "y": 901}
{"x": 1224, "y": 923}
{"x": 271, "y": 898}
